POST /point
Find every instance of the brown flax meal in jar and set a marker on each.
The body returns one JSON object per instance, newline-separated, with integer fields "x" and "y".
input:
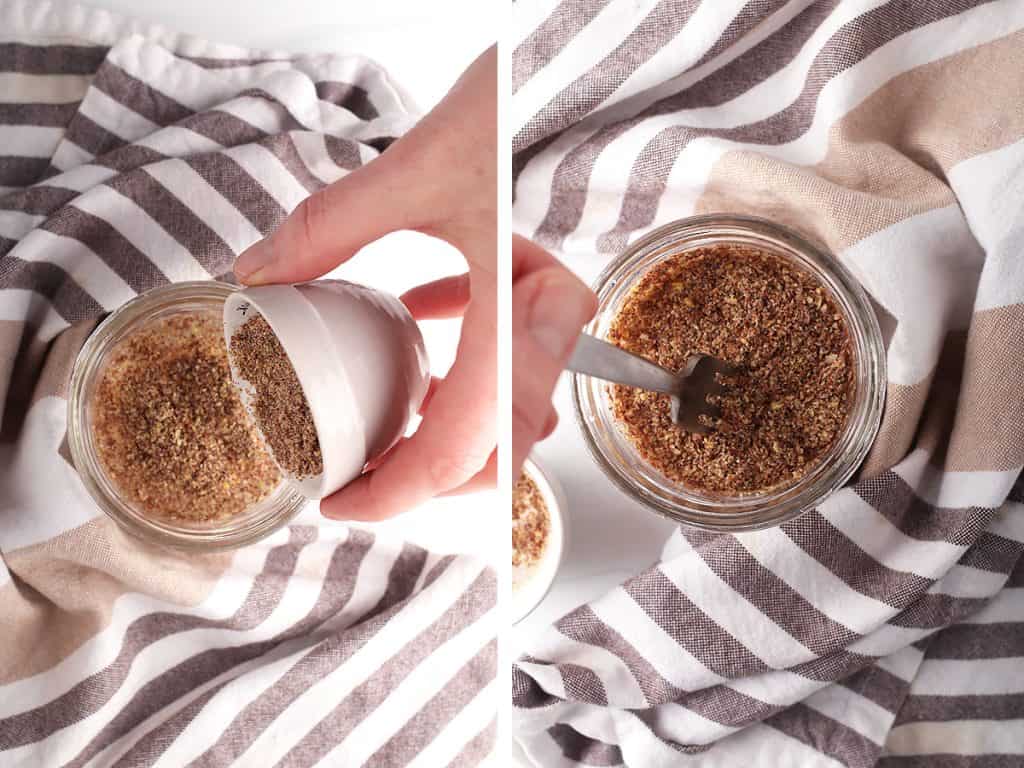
{"x": 170, "y": 430}
{"x": 790, "y": 398}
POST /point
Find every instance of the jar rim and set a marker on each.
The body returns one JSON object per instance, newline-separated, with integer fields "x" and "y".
{"x": 261, "y": 520}
{"x": 635, "y": 477}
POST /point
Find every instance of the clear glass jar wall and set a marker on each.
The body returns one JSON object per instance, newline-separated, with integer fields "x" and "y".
{"x": 257, "y": 522}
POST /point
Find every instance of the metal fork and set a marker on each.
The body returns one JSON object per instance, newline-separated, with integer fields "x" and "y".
{"x": 689, "y": 389}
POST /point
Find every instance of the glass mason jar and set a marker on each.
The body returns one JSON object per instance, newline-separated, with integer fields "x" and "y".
{"x": 621, "y": 462}
{"x": 253, "y": 524}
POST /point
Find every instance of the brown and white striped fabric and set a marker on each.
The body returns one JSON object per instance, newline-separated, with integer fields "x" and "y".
{"x": 887, "y": 626}
{"x": 130, "y": 158}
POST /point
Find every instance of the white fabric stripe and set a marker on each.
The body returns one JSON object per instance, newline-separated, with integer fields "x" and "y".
{"x": 270, "y": 173}
{"x": 903, "y": 664}
{"x": 226, "y": 596}
{"x": 823, "y": 589}
{"x": 989, "y": 188}
{"x": 614, "y": 675}
{"x": 298, "y": 598}
{"x": 19, "y": 304}
{"x": 312, "y": 150}
{"x": 179, "y": 178}
{"x": 685, "y": 726}
{"x": 426, "y": 680}
{"x": 14, "y": 225}
{"x": 82, "y": 178}
{"x": 1007, "y": 606}
{"x": 854, "y": 711}
{"x": 307, "y": 710}
{"x": 113, "y": 116}
{"x": 732, "y": 612}
{"x": 29, "y": 141}
{"x": 461, "y": 729}
{"x": 954, "y": 489}
{"x": 883, "y": 541}
{"x": 255, "y": 111}
{"x": 433, "y": 558}
{"x": 839, "y": 96}
{"x": 204, "y": 731}
{"x": 366, "y": 153}
{"x": 82, "y": 264}
{"x": 887, "y": 639}
{"x": 969, "y": 677}
{"x": 176, "y": 141}
{"x": 673, "y": 662}
{"x": 958, "y": 737}
{"x": 69, "y": 155}
{"x": 547, "y": 677}
{"x": 19, "y": 88}
{"x": 761, "y": 739}
{"x": 968, "y": 582}
{"x": 776, "y": 687}
{"x": 187, "y": 83}
{"x": 137, "y": 227}
{"x": 288, "y": 88}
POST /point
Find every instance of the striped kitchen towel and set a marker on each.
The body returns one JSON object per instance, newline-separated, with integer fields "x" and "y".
{"x": 885, "y": 627}
{"x": 131, "y": 157}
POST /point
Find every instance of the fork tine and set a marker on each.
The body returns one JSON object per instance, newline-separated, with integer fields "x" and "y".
{"x": 702, "y": 374}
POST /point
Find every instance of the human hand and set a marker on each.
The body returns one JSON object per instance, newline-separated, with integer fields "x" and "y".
{"x": 440, "y": 179}
{"x": 550, "y": 306}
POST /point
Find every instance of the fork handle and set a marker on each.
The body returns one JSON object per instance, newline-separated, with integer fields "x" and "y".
{"x": 596, "y": 357}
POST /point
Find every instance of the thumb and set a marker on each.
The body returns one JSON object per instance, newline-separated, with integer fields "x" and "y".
{"x": 328, "y": 227}
{"x": 549, "y": 309}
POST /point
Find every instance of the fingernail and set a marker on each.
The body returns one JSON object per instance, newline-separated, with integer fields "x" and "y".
{"x": 557, "y": 316}
{"x": 254, "y": 260}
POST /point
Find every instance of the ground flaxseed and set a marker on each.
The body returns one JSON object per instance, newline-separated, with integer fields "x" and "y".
{"x": 170, "y": 429}
{"x": 278, "y": 401}
{"x": 788, "y": 401}
{"x": 530, "y": 522}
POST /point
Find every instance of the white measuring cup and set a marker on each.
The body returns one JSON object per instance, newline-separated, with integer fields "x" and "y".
{"x": 360, "y": 359}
